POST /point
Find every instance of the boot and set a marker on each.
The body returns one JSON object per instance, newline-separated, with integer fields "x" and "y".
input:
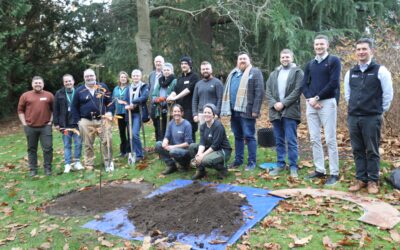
{"x": 222, "y": 173}
{"x": 199, "y": 174}
{"x": 47, "y": 171}
{"x": 33, "y": 173}
{"x": 358, "y": 185}
{"x": 170, "y": 169}
{"x": 373, "y": 187}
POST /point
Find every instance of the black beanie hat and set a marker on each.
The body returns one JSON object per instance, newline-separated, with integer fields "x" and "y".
{"x": 188, "y": 60}
{"x": 211, "y": 106}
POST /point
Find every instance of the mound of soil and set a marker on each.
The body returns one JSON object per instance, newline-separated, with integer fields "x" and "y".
{"x": 89, "y": 202}
{"x": 195, "y": 209}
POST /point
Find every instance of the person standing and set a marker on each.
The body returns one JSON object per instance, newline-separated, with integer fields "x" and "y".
{"x": 283, "y": 96}
{"x": 63, "y": 121}
{"x": 175, "y": 146}
{"x": 242, "y": 99}
{"x": 183, "y": 91}
{"x": 136, "y": 98}
{"x": 159, "y": 107}
{"x": 208, "y": 90}
{"x": 320, "y": 85}
{"x": 214, "y": 149}
{"x": 92, "y": 109}
{"x": 368, "y": 91}
{"x": 118, "y": 99}
{"x": 154, "y": 77}
{"x": 35, "y": 113}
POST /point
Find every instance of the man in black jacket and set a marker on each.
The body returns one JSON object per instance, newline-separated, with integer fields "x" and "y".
{"x": 62, "y": 118}
{"x": 183, "y": 91}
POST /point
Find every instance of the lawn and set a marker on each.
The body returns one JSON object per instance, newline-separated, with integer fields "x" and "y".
{"x": 317, "y": 223}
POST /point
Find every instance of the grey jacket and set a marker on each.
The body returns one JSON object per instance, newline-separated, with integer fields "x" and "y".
{"x": 291, "y": 101}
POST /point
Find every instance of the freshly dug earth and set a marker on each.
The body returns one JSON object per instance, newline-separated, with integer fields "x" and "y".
{"x": 88, "y": 201}
{"x": 195, "y": 209}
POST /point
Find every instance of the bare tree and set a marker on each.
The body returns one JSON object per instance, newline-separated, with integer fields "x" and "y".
{"x": 143, "y": 37}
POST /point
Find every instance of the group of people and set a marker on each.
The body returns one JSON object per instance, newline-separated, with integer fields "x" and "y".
{"x": 178, "y": 106}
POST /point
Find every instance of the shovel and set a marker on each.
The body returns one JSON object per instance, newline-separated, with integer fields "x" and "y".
{"x": 131, "y": 155}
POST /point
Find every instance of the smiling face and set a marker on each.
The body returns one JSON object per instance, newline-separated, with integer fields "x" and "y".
{"x": 37, "y": 85}
{"x": 206, "y": 71}
{"x": 158, "y": 62}
{"x": 90, "y": 77}
{"x": 166, "y": 71}
{"x": 364, "y": 53}
{"x": 68, "y": 82}
{"x": 243, "y": 61}
{"x": 286, "y": 59}
{"x": 177, "y": 114}
{"x": 208, "y": 114}
{"x": 321, "y": 46}
{"x": 123, "y": 79}
{"x": 136, "y": 76}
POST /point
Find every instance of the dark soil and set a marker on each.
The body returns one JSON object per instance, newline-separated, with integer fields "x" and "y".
{"x": 195, "y": 209}
{"x": 89, "y": 202}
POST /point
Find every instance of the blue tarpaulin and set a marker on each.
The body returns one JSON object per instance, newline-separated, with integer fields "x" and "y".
{"x": 260, "y": 204}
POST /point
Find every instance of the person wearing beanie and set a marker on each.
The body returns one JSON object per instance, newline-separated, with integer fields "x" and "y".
{"x": 283, "y": 96}
{"x": 159, "y": 107}
{"x": 214, "y": 149}
{"x": 207, "y": 90}
{"x": 183, "y": 91}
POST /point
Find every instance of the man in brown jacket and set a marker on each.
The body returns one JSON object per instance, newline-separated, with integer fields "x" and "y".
{"x": 35, "y": 114}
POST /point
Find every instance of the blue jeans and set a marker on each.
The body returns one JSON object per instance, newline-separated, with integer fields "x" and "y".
{"x": 136, "y": 143}
{"x": 67, "y": 140}
{"x": 179, "y": 155}
{"x": 244, "y": 129}
{"x": 285, "y": 132}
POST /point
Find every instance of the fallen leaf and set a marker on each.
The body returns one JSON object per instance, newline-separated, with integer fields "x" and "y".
{"x": 66, "y": 247}
{"x": 146, "y": 243}
{"x": 272, "y": 246}
{"x": 307, "y": 213}
{"x": 300, "y": 242}
{"x": 45, "y": 245}
{"x": 106, "y": 243}
{"x": 34, "y": 232}
{"x": 395, "y": 235}
{"x": 328, "y": 244}
{"x": 216, "y": 241}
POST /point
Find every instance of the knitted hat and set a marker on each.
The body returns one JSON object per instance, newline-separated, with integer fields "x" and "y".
{"x": 210, "y": 106}
{"x": 188, "y": 60}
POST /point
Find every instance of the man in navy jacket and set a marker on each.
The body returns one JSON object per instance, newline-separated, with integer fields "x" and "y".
{"x": 320, "y": 86}
{"x": 92, "y": 110}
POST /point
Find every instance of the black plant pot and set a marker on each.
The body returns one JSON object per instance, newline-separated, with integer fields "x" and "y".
{"x": 265, "y": 137}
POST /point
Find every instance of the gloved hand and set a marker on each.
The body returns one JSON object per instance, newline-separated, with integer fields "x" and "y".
{"x": 157, "y": 100}
{"x": 162, "y": 99}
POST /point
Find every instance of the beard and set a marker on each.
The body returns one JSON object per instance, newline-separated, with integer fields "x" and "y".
{"x": 206, "y": 76}
{"x": 242, "y": 66}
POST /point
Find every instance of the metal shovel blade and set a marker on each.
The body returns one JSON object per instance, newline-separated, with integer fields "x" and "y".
{"x": 131, "y": 159}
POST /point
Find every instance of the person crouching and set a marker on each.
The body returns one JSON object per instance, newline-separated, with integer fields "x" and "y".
{"x": 214, "y": 149}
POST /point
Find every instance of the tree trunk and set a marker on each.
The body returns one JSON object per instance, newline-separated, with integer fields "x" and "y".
{"x": 143, "y": 37}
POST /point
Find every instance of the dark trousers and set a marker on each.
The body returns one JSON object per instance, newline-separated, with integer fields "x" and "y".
{"x": 195, "y": 126}
{"x": 215, "y": 159}
{"x": 365, "y": 135}
{"x": 179, "y": 155}
{"x": 160, "y": 126}
{"x": 123, "y": 127}
{"x": 33, "y": 136}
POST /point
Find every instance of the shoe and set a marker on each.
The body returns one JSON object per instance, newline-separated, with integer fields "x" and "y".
{"x": 67, "y": 168}
{"x": 358, "y": 185}
{"x": 316, "y": 174}
{"x": 32, "y": 173}
{"x": 47, "y": 171}
{"x": 293, "y": 173}
{"x": 276, "y": 171}
{"x": 123, "y": 155}
{"x": 110, "y": 167}
{"x": 199, "y": 175}
{"x": 332, "y": 180}
{"x": 234, "y": 165}
{"x": 170, "y": 169}
{"x": 78, "y": 166}
{"x": 373, "y": 187}
{"x": 251, "y": 166}
{"x": 222, "y": 173}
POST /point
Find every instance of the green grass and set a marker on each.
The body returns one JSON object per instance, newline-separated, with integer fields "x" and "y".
{"x": 22, "y": 199}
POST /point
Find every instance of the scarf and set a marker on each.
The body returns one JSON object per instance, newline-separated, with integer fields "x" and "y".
{"x": 135, "y": 92}
{"x": 165, "y": 82}
{"x": 241, "y": 96}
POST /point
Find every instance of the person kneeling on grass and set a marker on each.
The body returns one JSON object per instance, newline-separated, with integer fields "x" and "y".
{"x": 214, "y": 149}
{"x": 174, "y": 148}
